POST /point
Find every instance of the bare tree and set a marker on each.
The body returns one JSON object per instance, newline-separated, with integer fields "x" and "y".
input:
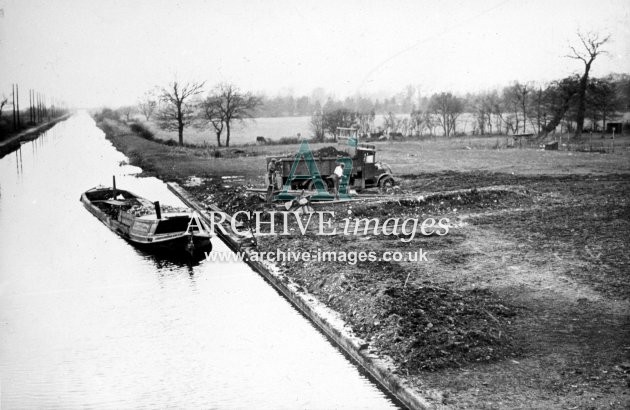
{"x": 317, "y": 125}
{"x": 516, "y": 100}
{"x": 511, "y": 101}
{"x": 178, "y": 111}
{"x": 481, "y": 106}
{"x": 126, "y": 110}
{"x": 496, "y": 109}
{"x": 231, "y": 104}
{"x": 429, "y": 122}
{"x": 417, "y": 121}
{"x": 537, "y": 111}
{"x": 392, "y": 123}
{"x": 591, "y": 43}
{"x": 522, "y": 93}
{"x": 603, "y": 101}
{"x": 338, "y": 118}
{"x": 447, "y": 108}
{"x": 365, "y": 119}
{"x": 148, "y": 104}
{"x": 210, "y": 113}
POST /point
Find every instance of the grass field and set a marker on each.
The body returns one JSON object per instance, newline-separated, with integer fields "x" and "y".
{"x": 528, "y": 296}
{"x": 461, "y": 154}
{"x": 479, "y": 154}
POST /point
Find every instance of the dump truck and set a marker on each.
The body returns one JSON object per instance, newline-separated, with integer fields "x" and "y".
{"x": 366, "y": 171}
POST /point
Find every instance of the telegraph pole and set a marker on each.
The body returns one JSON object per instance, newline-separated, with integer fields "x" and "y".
{"x": 33, "y": 106}
{"x": 17, "y": 99}
{"x": 13, "y": 105}
{"x": 30, "y": 106}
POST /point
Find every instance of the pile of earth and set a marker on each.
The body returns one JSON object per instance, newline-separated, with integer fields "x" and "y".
{"x": 444, "y": 203}
{"x": 419, "y": 325}
{"x": 330, "y": 152}
{"x": 428, "y": 328}
{"x": 422, "y": 326}
{"x": 228, "y": 197}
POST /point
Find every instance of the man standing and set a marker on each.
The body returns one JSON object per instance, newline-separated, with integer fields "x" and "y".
{"x": 271, "y": 176}
{"x": 336, "y": 177}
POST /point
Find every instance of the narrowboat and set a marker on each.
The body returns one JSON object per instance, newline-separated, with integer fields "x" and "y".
{"x": 147, "y": 224}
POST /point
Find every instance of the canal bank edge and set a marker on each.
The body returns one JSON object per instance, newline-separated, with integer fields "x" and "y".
{"x": 13, "y": 143}
{"x": 323, "y": 317}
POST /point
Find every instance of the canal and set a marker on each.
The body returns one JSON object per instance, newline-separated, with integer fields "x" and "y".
{"x": 88, "y": 321}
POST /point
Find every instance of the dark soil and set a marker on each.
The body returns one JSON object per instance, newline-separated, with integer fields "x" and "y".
{"x": 524, "y": 304}
{"x": 482, "y": 299}
{"x": 330, "y": 152}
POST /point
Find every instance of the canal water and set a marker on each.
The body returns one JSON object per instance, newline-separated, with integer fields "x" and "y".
{"x": 88, "y": 321}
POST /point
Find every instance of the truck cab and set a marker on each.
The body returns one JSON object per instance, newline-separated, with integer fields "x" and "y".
{"x": 367, "y": 172}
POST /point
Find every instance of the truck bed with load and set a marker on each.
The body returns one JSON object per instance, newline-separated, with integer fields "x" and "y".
{"x": 366, "y": 172}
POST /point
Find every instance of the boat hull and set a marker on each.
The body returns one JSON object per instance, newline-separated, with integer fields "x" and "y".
{"x": 138, "y": 231}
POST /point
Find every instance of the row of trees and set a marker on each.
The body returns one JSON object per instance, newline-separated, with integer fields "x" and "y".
{"x": 289, "y": 105}
{"x": 40, "y": 108}
{"x": 517, "y": 108}
{"x": 439, "y": 110}
{"x": 179, "y": 105}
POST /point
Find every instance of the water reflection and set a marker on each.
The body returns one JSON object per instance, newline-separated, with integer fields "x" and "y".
{"x": 172, "y": 260}
{"x": 18, "y": 160}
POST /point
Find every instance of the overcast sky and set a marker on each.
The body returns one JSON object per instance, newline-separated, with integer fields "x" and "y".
{"x": 93, "y": 53}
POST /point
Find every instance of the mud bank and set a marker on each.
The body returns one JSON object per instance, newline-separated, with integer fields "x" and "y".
{"x": 327, "y": 320}
{"x": 13, "y": 143}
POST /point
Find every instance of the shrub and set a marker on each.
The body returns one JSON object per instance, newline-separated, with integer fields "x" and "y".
{"x": 106, "y": 113}
{"x": 142, "y": 131}
{"x": 284, "y": 141}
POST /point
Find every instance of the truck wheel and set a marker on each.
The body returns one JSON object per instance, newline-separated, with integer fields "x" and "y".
{"x": 386, "y": 182}
{"x": 311, "y": 185}
{"x": 330, "y": 185}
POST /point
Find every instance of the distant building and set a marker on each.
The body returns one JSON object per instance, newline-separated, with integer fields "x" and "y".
{"x": 616, "y": 126}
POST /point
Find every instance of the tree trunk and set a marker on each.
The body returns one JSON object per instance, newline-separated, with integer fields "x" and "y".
{"x": 445, "y": 125}
{"x": 180, "y": 131}
{"x": 555, "y": 120}
{"x": 13, "y": 106}
{"x": 582, "y": 101}
{"x": 17, "y": 101}
{"x": 218, "y": 139}
{"x": 227, "y": 134}
{"x": 180, "y": 125}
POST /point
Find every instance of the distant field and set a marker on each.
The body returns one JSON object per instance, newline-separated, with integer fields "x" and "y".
{"x": 466, "y": 154}
{"x": 463, "y": 154}
{"x": 243, "y": 133}
{"x": 282, "y": 127}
